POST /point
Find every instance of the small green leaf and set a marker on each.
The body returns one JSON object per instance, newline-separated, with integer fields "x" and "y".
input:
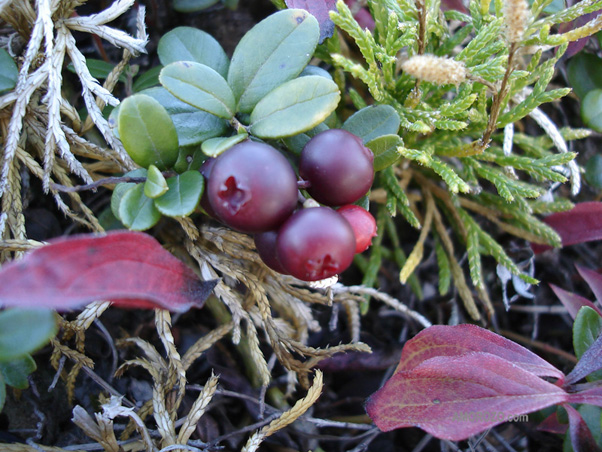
{"x": 192, "y": 6}
{"x": 109, "y": 221}
{"x": 192, "y": 44}
{"x": 189, "y": 158}
{"x": 274, "y": 51}
{"x": 586, "y": 329}
{"x": 215, "y": 146}
{"x": 296, "y": 143}
{"x": 147, "y": 79}
{"x": 147, "y": 132}
{"x": 315, "y": 70}
{"x": 16, "y": 371}
{"x": 23, "y": 331}
{"x": 372, "y": 122}
{"x": 183, "y": 196}
{"x": 294, "y": 107}
{"x": 155, "y": 184}
{"x": 137, "y": 211}
{"x": 591, "y": 110}
{"x": 385, "y": 149}
{"x": 193, "y": 125}
{"x": 584, "y": 72}
{"x": 199, "y": 86}
{"x": 593, "y": 171}
{"x": 8, "y": 72}
{"x": 121, "y": 188}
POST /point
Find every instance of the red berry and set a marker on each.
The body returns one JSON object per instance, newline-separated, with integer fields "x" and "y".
{"x": 338, "y": 166}
{"x": 362, "y": 223}
{"x": 252, "y": 187}
{"x": 265, "y": 242}
{"x": 315, "y": 243}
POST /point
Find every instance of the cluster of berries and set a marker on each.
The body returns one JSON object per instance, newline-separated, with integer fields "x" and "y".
{"x": 253, "y": 188}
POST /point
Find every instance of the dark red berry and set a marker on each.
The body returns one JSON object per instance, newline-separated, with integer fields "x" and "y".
{"x": 338, "y": 166}
{"x": 362, "y": 223}
{"x": 252, "y": 187}
{"x": 205, "y": 170}
{"x": 315, "y": 243}
{"x": 265, "y": 242}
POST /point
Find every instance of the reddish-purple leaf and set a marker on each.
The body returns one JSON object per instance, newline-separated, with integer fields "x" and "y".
{"x": 320, "y": 10}
{"x": 583, "y": 223}
{"x": 458, "y": 5}
{"x": 591, "y": 396}
{"x": 590, "y": 361}
{"x": 594, "y": 281}
{"x": 131, "y": 269}
{"x": 442, "y": 340}
{"x": 363, "y": 16}
{"x": 551, "y": 424}
{"x": 581, "y": 436}
{"x": 573, "y": 302}
{"x": 455, "y": 397}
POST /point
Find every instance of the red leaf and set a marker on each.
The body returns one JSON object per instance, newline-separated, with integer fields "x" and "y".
{"x": 589, "y": 362}
{"x": 581, "y": 436}
{"x": 454, "y": 4}
{"x": 594, "y": 281}
{"x": 320, "y": 10}
{"x": 131, "y": 269}
{"x": 455, "y": 397}
{"x": 591, "y": 396}
{"x": 551, "y": 424}
{"x": 442, "y": 340}
{"x": 583, "y": 223}
{"x": 573, "y": 302}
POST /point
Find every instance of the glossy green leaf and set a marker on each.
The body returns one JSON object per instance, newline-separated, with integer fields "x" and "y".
{"x": 121, "y": 188}
{"x": 192, "y": 6}
{"x": 16, "y": 371}
{"x": 8, "y": 72}
{"x": 183, "y": 196}
{"x": 147, "y": 132}
{"x": 199, "y": 86}
{"x": 23, "y": 331}
{"x": 385, "y": 149}
{"x": 296, "y": 143}
{"x": 189, "y": 158}
{"x": 584, "y": 72}
{"x": 274, "y": 51}
{"x": 147, "y": 79}
{"x": 137, "y": 211}
{"x": 586, "y": 329}
{"x": 109, "y": 221}
{"x": 372, "y": 122}
{"x": 591, "y": 110}
{"x": 155, "y": 184}
{"x": 315, "y": 70}
{"x": 294, "y": 107}
{"x": 192, "y": 125}
{"x": 593, "y": 171}
{"x": 192, "y": 44}
{"x": 215, "y": 146}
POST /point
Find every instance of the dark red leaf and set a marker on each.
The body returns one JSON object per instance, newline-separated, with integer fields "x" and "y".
{"x": 589, "y": 362}
{"x": 455, "y": 397}
{"x": 458, "y": 5}
{"x": 442, "y": 340}
{"x": 594, "y": 281}
{"x": 581, "y": 436}
{"x": 573, "y": 302}
{"x": 551, "y": 424}
{"x": 363, "y": 16}
{"x": 583, "y": 223}
{"x": 320, "y": 10}
{"x": 591, "y": 396}
{"x": 131, "y": 269}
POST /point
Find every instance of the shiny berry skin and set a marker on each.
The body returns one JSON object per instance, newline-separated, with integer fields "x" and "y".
{"x": 338, "y": 166}
{"x": 252, "y": 187}
{"x": 315, "y": 243}
{"x": 205, "y": 170}
{"x": 362, "y": 223}
{"x": 265, "y": 242}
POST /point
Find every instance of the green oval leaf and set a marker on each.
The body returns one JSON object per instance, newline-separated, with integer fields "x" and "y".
{"x": 274, "y": 51}
{"x": 372, "y": 122}
{"x": 591, "y": 110}
{"x": 586, "y": 329}
{"x": 183, "y": 196}
{"x": 191, "y": 44}
{"x": 155, "y": 184}
{"x": 294, "y": 107}
{"x": 199, "y": 86}
{"x": 23, "y": 331}
{"x": 121, "y": 188}
{"x": 593, "y": 171}
{"x": 192, "y": 125}
{"x": 147, "y": 79}
{"x": 385, "y": 149}
{"x": 147, "y": 132}
{"x": 8, "y": 72}
{"x": 192, "y": 6}
{"x": 190, "y": 158}
{"x": 584, "y": 72}
{"x": 296, "y": 143}
{"x": 215, "y": 146}
{"x": 16, "y": 371}
{"x": 137, "y": 211}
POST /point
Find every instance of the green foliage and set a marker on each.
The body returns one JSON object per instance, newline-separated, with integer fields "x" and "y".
{"x": 586, "y": 329}
{"x": 182, "y": 196}
{"x": 591, "y": 110}
{"x": 8, "y": 72}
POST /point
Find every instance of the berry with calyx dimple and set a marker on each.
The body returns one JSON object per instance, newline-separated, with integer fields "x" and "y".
{"x": 265, "y": 242}
{"x": 362, "y": 223}
{"x": 339, "y": 168}
{"x": 252, "y": 187}
{"x": 315, "y": 243}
